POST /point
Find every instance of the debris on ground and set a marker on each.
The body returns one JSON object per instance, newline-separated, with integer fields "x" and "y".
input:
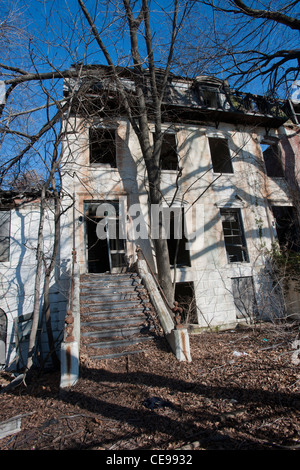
{"x": 220, "y": 401}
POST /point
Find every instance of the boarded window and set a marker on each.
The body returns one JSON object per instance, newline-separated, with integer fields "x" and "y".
{"x": 287, "y": 227}
{"x": 272, "y": 159}
{"x": 220, "y": 155}
{"x": 4, "y": 235}
{"x": 234, "y": 235}
{"x": 103, "y": 146}
{"x": 244, "y": 297}
{"x": 168, "y": 156}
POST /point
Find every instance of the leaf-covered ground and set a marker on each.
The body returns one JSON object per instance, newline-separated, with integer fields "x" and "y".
{"x": 240, "y": 392}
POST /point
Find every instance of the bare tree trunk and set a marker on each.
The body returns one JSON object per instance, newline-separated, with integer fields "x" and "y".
{"x": 37, "y": 286}
{"x": 49, "y": 270}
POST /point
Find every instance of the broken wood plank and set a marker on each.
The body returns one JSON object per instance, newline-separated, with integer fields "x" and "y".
{"x": 12, "y": 425}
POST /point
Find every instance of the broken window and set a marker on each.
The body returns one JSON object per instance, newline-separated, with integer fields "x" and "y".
{"x": 168, "y": 155}
{"x": 244, "y": 297}
{"x": 234, "y": 236}
{"x": 4, "y": 235}
{"x": 220, "y": 155}
{"x": 185, "y": 296}
{"x": 272, "y": 159}
{"x": 210, "y": 97}
{"x": 103, "y": 146}
{"x": 287, "y": 227}
{"x": 178, "y": 246}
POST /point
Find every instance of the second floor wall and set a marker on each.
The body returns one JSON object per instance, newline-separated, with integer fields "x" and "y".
{"x": 216, "y": 169}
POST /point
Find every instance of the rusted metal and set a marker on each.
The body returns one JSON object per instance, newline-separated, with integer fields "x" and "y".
{"x": 178, "y": 315}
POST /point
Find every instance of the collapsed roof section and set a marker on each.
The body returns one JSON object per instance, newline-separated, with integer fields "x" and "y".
{"x": 200, "y": 100}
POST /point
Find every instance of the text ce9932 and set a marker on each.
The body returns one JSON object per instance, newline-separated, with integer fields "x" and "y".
{"x": 171, "y": 459}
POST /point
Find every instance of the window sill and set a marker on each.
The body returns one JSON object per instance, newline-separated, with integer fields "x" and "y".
{"x": 282, "y": 178}
{"x": 103, "y": 166}
{"x": 238, "y": 263}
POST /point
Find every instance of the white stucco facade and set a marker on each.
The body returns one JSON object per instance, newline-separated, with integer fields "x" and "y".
{"x": 247, "y": 189}
{"x": 17, "y": 280}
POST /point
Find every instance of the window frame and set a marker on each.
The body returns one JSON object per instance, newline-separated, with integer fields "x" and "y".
{"x": 216, "y": 163}
{"x": 245, "y": 302}
{"x": 7, "y": 236}
{"x": 288, "y": 235}
{"x": 173, "y": 150}
{"x": 276, "y": 160}
{"x": 96, "y": 162}
{"x": 243, "y": 253}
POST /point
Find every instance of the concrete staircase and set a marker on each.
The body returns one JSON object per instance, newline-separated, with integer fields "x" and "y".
{"x": 115, "y": 315}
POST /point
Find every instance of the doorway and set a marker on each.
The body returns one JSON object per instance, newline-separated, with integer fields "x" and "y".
{"x": 105, "y": 253}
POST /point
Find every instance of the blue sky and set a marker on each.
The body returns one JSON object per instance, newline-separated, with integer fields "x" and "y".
{"x": 57, "y": 41}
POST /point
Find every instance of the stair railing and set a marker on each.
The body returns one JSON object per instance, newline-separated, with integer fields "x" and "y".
{"x": 176, "y": 309}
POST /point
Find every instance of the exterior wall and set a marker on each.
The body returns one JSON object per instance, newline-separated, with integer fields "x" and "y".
{"x": 290, "y": 147}
{"x": 247, "y": 188}
{"x": 17, "y": 278}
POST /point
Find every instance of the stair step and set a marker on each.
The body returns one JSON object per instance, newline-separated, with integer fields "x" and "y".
{"x": 102, "y": 288}
{"x": 108, "y": 297}
{"x": 119, "y": 343}
{"x": 116, "y": 355}
{"x": 110, "y": 279}
{"x": 112, "y": 305}
{"x": 111, "y": 323}
{"x": 115, "y": 313}
{"x": 113, "y": 332}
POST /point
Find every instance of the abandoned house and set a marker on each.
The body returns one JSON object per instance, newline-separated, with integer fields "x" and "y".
{"x": 229, "y": 185}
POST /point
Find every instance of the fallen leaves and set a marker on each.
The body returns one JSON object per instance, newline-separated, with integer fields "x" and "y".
{"x": 221, "y": 400}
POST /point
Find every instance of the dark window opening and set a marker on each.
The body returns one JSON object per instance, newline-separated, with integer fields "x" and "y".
{"x": 178, "y": 247}
{"x": 185, "y": 296}
{"x": 220, "y": 155}
{"x": 168, "y": 156}
{"x": 234, "y": 236}
{"x": 3, "y": 333}
{"x": 244, "y": 297}
{"x": 209, "y": 97}
{"x": 272, "y": 159}
{"x": 103, "y": 146}
{"x": 4, "y": 235}
{"x": 287, "y": 227}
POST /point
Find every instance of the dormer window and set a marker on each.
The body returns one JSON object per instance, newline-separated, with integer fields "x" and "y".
{"x": 208, "y": 91}
{"x": 209, "y": 97}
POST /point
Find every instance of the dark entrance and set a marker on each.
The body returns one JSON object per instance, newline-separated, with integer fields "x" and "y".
{"x": 106, "y": 253}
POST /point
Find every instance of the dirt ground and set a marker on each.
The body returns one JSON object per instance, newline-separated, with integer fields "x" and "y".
{"x": 240, "y": 392}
